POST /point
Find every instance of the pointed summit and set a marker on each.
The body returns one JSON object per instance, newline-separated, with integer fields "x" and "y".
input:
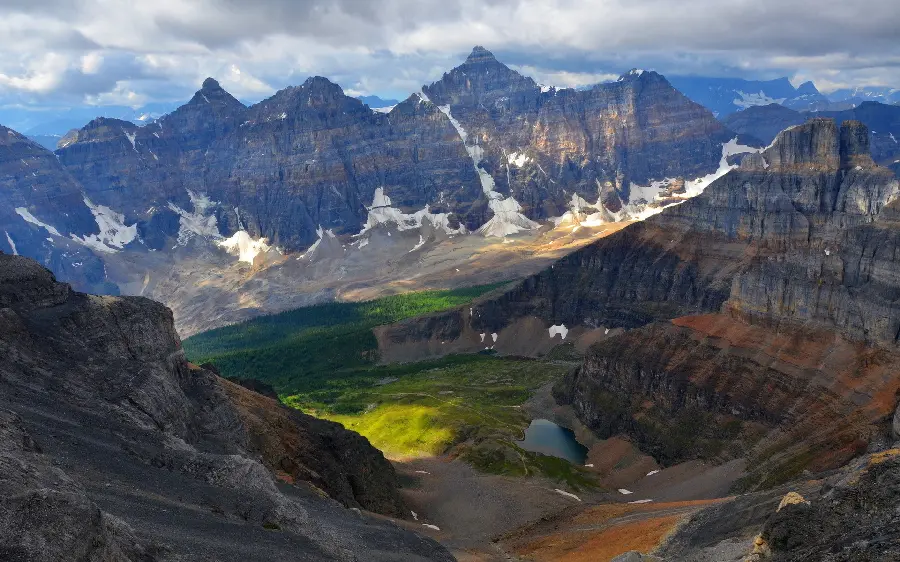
{"x": 211, "y": 93}
{"x": 808, "y": 88}
{"x": 322, "y": 84}
{"x": 480, "y": 55}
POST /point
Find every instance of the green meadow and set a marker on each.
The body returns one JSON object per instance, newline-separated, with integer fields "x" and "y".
{"x": 323, "y": 360}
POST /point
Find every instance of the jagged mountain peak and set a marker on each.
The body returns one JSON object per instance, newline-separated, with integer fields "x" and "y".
{"x": 318, "y": 83}
{"x": 212, "y": 93}
{"x": 480, "y": 75}
{"x": 480, "y": 55}
{"x": 808, "y": 88}
{"x": 637, "y": 75}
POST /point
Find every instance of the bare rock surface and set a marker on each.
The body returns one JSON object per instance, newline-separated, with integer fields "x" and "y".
{"x": 147, "y": 457}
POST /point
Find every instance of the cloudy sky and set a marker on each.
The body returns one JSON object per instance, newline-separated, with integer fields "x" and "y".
{"x": 129, "y": 52}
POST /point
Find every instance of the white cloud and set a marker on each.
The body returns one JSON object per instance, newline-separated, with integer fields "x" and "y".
{"x": 108, "y": 51}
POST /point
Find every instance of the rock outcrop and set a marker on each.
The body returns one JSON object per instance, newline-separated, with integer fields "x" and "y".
{"x": 883, "y": 121}
{"x": 165, "y": 460}
{"x": 848, "y": 516}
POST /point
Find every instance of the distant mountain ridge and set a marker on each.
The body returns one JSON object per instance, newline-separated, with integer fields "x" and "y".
{"x": 882, "y": 121}
{"x": 313, "y": 172}
{"x": 725, "y": 96}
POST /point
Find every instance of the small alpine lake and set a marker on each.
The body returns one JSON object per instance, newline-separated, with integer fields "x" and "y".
{"x": 545, "y": 437}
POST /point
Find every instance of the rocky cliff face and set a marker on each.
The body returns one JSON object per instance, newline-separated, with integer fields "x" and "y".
{"x": 882, "y": 120}
{"x": 794, "y": 256}
{"x": 161, "y": 456}
{"x": 540, "y": 143}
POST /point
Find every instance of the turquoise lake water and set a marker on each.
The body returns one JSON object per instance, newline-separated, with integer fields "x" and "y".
{"x": 544, "y": 436}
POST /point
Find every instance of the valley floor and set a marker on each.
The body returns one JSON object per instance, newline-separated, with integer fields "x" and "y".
{"x": 485, "y": 517}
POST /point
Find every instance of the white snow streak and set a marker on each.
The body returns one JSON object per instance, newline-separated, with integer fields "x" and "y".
{"x": 559, "y": 329}
{"x": 197, "y": 223}
{"x": 567, "y": 494}
{"x": 23, "y": 212}
{"x": 418, "y": 245}
{"x": 11, "y": 244}
{"x": 507, "y": 217}
{"x": 382, "y": 212}
{"x": 642, "y": 196}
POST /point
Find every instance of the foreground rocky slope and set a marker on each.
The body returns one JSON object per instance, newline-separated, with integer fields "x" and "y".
{"x": 849, "y": 515}
{"x": 776, "y": 289}
{"x": 116, "y": 448}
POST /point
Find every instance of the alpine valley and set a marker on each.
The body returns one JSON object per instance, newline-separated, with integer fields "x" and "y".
{"x": 493, "y": 321}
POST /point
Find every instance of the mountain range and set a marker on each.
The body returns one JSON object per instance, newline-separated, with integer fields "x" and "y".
{"x": 312, "y": 173}
{"x": 719, "y": 298}
{"x": 727, "y": 96}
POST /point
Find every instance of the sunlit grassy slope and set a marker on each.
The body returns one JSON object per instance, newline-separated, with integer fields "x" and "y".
{"x": 322, "y": 360}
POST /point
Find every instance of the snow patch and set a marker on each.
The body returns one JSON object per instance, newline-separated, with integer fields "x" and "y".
{"x": 625, "y": 492}
{"x": 567, "y": 494}
{"x": 245, "y": 247}
{"x": 749, "y": 100}
{"x": 639, "y": 206}
{"x": 114, "y": 233}
{"x": 652, "y": 472}
{"x": 578, "y": 214}
{"x": 131, "y": 138}
{"x": 518, "y": 159}
{"x": 559, "y": 329}
{"x": 382, "y": 212}
{"x": 322, "y": 233}
{"x": 494, "y": 337}
{"x": 384, "y": 109}
{"x": 418, "y": 245}
{"x": 432, "y": 527}
{"x": 196, "y": 223}
{"x": 23, "y": 212}
{"x": 13, "y": 245}
{"x": 641, "y": 501}
{"x": 507, "y": 217}
{"x": 482, "y": 335}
